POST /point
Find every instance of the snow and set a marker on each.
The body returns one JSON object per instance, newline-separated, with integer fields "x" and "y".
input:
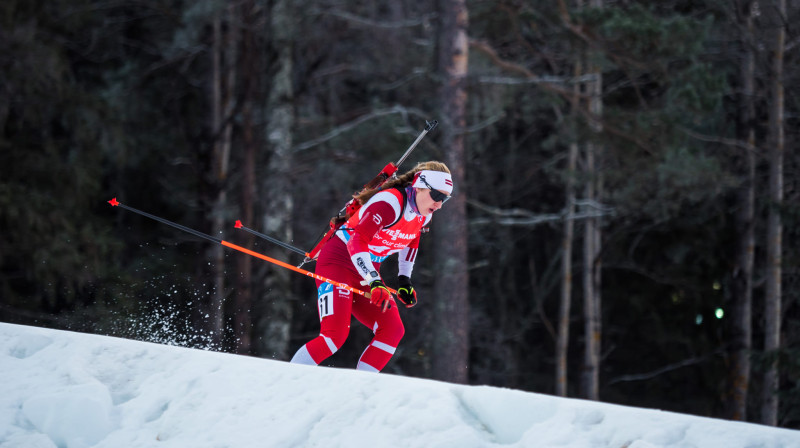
{"x": 73, "y": 390}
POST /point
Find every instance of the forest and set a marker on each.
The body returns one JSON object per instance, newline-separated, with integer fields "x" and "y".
{"x": 624, "y": 222}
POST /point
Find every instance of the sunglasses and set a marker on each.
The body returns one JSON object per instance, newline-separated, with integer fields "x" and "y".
{"x": 436, "y": 195}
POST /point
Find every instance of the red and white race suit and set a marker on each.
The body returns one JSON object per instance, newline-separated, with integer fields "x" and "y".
{"x": 385, "y": 225}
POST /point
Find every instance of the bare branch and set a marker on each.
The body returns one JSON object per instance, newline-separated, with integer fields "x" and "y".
{"x": 792, "y": 43}
{"x": 397, "y": 109}
{"x": 385, "y": 25}
{"x": 591, "y": 77}
{"x": 483, "y": 124}
{"x": 721, "y": 140}
{"x": 517, "y": 68}
{"x": 500, "y": 62}
{"x": 415, "y": 73}
{"x": 665, "y": 369}
{"x": 527, "y": 218}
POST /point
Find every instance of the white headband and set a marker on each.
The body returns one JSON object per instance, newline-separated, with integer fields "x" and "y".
{"x": 439, "y": 180}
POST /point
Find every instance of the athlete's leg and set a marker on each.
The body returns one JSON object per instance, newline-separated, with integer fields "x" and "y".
{"x": 334, "y": 305}
{"x": 387, "y": 327}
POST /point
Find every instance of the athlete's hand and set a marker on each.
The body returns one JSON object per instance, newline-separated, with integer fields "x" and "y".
{"x": 379, "y": 295}
{"x": 406, "y": 292}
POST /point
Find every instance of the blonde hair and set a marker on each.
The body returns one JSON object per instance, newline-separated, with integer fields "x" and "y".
{"x": 402, "y": 180}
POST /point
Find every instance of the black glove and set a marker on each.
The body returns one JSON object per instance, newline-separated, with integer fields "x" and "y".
{"x": 379, "y": 295}
{"x": 406, "y": 292}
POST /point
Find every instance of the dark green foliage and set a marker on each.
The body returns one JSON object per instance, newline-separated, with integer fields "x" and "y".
{"x": 99, "y": 100}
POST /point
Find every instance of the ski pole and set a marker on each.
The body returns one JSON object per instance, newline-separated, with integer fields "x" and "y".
{"x": 239, "y": 225}
{"x": 205, "y": 236}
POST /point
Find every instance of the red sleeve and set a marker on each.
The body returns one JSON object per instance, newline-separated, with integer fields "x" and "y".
{"x": 375, "y": 217}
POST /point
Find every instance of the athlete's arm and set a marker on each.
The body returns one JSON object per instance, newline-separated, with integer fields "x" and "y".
{"x": 406, "y": 258}
{"x": 374, "y": 216}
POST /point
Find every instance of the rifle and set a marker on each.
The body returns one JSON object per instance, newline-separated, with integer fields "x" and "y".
{"x": 352, "y": 206}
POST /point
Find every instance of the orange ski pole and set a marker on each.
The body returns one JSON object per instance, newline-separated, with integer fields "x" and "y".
{"x": 116, "y": 203}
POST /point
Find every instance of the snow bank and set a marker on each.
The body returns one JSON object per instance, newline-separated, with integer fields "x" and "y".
{"x": 71, "y": 390}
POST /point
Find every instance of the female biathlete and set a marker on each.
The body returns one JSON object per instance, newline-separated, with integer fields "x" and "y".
{"x": 389, "y": 221}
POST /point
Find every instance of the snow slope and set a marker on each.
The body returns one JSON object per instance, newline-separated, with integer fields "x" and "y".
{"x": 72, "y": 390}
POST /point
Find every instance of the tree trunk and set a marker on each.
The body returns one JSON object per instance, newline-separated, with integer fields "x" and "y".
{"x": 222, "y": 82}
{"x": 590, "y": 314}
{"x": 249, "y": 61}
{"x": 772, "y": 305}
{"x": 741, "y": 334}
{"x": 276, "y": 304}
{"x": 592, "y": 241}
{"x": 451, "y": 302}
{"x": 562, "y": 342}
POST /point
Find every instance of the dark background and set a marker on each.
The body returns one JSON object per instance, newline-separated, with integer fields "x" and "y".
{"x": 103, "y": 99}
